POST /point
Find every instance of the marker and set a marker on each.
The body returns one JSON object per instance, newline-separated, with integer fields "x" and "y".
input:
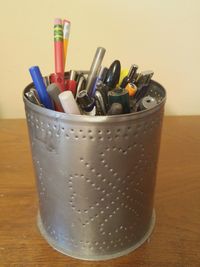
{"x": 54, "y": 92}
{"x": 40, "y": 87}
{"x": 113, "y": 75}
{"x": 115, "y": 109}
{"x": 57, "y": 78}
{"x": 68, "y": 103}
{"x": 66, "y": 32}
{"x": 147, "y": 102}
{"x": 120, "y": 95}
{"x": 59, "y": 52}
{"x": 96, "y": 63}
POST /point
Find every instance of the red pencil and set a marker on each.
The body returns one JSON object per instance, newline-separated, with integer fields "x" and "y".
{"x": 59, "y": 53}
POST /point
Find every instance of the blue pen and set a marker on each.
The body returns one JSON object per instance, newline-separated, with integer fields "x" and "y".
{"x": 40, "y": 87}
{"x": 98, "y": 81}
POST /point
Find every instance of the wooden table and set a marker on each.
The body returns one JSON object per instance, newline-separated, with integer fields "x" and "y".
{"x": 176, "y": 239}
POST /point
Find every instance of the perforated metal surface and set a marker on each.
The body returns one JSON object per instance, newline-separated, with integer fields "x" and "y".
{"x": 95, "y": 178}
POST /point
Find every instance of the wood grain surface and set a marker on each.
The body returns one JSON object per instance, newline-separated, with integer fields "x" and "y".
{"x": 175, "y": 241}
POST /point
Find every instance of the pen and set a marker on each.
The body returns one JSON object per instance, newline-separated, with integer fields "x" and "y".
{"x": 40, "y": 87}
{"x": 100, "y": 103}
{"x": 66, "y": 32}
{"x": 34, "y": 91}
{"x": 59, "y": 52}
{"x": 99, "y": 80}
{"x": 96, "y": 63}
{"x": 31, "y": 97}
{"x": 70, "y": 84}
{"x": 130, "y": 77}
{"x": 54, "y": 91}
{"x": 142, "y": 83}
{"x": 80, "y": 85}
{"x": 123, "y": 74}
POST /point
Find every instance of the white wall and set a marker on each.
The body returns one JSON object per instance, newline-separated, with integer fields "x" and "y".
{"x": 160, "y": 35}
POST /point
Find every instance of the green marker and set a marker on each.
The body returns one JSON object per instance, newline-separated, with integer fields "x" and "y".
{"x": 119, "y": 95}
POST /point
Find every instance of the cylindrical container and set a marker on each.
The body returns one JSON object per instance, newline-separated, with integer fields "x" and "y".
{"x": 95, "y": 177}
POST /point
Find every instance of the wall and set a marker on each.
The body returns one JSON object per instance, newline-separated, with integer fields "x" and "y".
{"x": 159, "y": 35}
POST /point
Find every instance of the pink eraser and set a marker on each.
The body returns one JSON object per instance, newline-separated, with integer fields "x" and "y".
{"x": 57, "y": 21}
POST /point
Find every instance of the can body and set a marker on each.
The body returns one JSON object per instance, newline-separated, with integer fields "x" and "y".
{"x": 95, "y": 178}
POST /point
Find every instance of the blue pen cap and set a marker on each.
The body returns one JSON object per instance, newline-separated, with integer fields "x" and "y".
{"x": 40, "y": 87}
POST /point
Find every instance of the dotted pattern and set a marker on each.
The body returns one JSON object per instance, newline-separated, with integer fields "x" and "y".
{"x": 99, "y": 199}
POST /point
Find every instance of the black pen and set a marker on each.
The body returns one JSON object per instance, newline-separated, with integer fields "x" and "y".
{"x": 130, "y": 77}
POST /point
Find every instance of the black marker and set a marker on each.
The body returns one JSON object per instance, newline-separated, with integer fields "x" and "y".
{"x": 113, "y": 75}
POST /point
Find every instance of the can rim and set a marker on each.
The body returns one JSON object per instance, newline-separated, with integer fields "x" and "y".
{"x": 94, "y": 119}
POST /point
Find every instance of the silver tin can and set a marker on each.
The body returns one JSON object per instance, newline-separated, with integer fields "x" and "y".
{"x": 95, "y": 178}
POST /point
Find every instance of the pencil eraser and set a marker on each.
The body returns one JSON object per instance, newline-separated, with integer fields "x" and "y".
{"x": 57, "y": 21}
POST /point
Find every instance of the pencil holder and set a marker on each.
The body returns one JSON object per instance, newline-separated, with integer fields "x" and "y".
{"x": 95, "y": 177}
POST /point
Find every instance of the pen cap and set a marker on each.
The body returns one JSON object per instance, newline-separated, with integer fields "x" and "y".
{"x": 86, "y": 103}
{"x": 68, "y": 103}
